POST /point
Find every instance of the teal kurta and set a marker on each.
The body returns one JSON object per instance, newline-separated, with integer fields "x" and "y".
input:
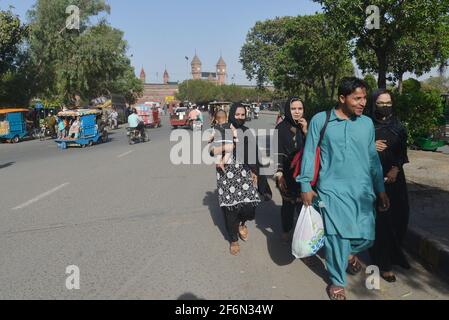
{"x": 350, "y": 175}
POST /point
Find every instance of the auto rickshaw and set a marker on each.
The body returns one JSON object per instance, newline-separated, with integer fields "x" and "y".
{"x": 150, "y": 115}
{"x": 180, "y": 117}
{"x": 13, "y": 124}
{"x": 90, "y": 131}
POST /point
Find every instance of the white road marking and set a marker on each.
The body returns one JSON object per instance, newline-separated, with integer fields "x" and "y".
{"x": 125, "y": 154}
{"x": 39, "y": 197}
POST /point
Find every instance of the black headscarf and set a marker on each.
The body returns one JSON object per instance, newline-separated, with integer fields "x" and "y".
{"x": 292, "y": 125}
{"x": 288, "y": 112}
{"x": 262, "y": 183}
{"x": 238, "y": 124}
{"x": 391, "y": 122}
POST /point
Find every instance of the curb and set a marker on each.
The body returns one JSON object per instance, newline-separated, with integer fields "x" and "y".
{"x": 433, "y": 254}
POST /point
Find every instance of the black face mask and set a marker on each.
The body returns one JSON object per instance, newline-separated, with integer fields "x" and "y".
{"x": 240, "y": 122}
{"x": 383, "y": 112}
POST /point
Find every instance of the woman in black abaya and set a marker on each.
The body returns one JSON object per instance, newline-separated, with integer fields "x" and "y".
{"x": 391, "y": 226}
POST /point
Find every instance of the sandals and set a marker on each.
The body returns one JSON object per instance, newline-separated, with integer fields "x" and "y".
{"x": 243, "y": 233}
{"x": 390, "y": 278}
{"x": 336, "y": 293}
{"x": 234, "y": 248}
{"x": 354, "y": 266}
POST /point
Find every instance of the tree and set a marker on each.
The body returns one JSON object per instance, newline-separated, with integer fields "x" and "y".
{"x": 91, "y": 61}
{"x": 263, "y": 42}
{"x": 406, "y": 29}
{"x": 14, "y": 61}
{"x": 202, "y": 91}
{"x": 313, "y": 57}
{"x": 438, "y": 83}
{"x": 300, "y": 55}
{"x": 12, "y": 34}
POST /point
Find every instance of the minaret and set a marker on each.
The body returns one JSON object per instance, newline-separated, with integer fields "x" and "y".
{"x": 221, "y": 71}
{"x": 196, "y": 68}
{"x": 142, "y": 75}
{"x": 166, "y": 77}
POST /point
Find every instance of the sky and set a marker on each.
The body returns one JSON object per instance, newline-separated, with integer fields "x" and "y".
{"x": 161, "y": 33}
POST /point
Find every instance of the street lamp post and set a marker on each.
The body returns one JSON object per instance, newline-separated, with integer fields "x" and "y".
{"x": 188, "y": 72}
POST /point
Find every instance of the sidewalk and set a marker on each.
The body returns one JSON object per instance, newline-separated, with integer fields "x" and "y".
{"x": 428, "y": 237}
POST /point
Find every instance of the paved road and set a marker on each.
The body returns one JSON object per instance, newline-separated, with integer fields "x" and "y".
{"x": 139, "y": 227}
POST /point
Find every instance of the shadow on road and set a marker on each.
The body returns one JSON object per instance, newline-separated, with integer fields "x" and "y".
{"x": 211, "y": 201}
{"x": 268, "y": 219}
{"x": 188, "y": 296}
{"x": 6, "y": 165}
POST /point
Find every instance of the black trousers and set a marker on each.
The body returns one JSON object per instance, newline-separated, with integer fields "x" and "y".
{"x": 287, "y": 215}
{"x": 235, "y": 218}
{"x": 391, "y": 228}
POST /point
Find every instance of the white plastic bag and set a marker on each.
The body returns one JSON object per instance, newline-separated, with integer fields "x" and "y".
{"x": 309, "y": 233}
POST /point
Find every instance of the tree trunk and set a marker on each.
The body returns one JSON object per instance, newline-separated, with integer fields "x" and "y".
{"x": 382, "y": 72}
{"x": 306, "y": 95}
{"x": 400, "y": 82}
{"x": 323, "y": 87}
{"x": 334, "y": 79}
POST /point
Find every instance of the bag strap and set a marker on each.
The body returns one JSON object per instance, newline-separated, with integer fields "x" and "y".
{"x": 323, "y": 130}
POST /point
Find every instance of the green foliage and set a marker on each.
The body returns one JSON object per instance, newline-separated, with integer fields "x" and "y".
{"x": 263, "y": 43}
{"x": 421, "y": 112}
{"x": 202, "y": 91}
{"x": 89, "y": 62}
{"x": 371, "y": 82}
{"x": 413, "y": 35}
{"x": 12, "y": 34}
{"x": 438, "y": 83}
{"x": 298, "y": 54}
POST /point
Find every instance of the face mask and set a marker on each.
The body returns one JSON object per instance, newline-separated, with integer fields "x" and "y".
{"x": 240, "y": 122}
{"x": 384, "y": 112}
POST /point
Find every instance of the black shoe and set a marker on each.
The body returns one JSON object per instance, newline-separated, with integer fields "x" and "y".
{"x": 389, "y": 279}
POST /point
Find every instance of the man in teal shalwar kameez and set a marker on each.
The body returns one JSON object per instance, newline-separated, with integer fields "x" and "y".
{"x": 349, "y": 180}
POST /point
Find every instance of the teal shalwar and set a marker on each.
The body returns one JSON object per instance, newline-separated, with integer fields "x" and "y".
{"x": 349, "y": 179}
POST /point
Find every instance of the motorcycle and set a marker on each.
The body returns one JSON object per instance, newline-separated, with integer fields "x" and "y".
{"x": 112, "y": 124}
{"x": 134, "y": 136}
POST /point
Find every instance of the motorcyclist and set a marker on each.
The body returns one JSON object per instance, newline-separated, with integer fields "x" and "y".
{"x": 256, "y": 111}
{"x": 195, "y": 115}
{"x": 113, "y": 118}
{"x": 136, "y": 123}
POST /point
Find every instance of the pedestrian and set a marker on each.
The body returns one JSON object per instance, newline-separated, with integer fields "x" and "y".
{"x": 350, "y": 176}
{"x": 74, "y": 130}
{"x": 391, "y": 226}
{"x": 237, "y": 184}
{"x": 61, "y": 128}
{"x": 291, "y": 139}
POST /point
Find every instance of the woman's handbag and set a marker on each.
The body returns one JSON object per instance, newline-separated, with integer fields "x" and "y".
{"x": 296, "y": 162}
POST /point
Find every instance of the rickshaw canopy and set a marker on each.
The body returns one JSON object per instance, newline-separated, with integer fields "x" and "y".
{"x": 79, "y": 112}
{"x": 11, "y": 110}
